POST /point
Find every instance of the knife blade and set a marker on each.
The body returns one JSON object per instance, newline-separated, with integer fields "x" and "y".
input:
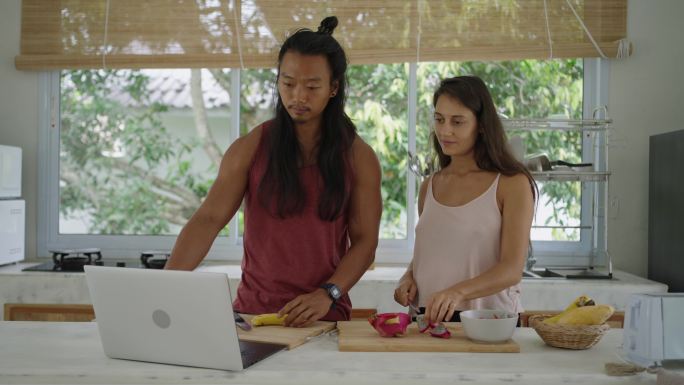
{"x": 241, "y": 323}
{"x": 414, "y": 308}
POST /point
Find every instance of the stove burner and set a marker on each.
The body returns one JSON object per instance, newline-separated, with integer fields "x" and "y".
{"x": 154, "y": 259}
{"x": 75, "y": 259}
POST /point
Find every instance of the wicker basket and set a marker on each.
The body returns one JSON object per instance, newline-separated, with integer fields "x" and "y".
{"x": 567, "y": 336}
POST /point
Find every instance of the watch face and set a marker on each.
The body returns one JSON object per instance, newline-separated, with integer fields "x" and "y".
{"x": 335, "y": 292}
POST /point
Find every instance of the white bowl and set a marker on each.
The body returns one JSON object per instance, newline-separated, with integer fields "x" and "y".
{"x": 489, "y": 325}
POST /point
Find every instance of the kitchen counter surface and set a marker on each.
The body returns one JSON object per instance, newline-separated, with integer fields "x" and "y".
{"x": 375, "y": 290}
{"x": 70, "y": 352}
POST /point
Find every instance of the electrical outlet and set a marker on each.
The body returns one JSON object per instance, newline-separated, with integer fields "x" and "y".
{"x": 614, "y": 207}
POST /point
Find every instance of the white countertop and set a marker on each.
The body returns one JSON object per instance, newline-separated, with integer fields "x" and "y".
{"x": 70, "y": 352}
{"x": 375, "y": 290}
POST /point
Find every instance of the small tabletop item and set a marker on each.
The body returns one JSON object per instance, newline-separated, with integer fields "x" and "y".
{"x": 240, "y": 322}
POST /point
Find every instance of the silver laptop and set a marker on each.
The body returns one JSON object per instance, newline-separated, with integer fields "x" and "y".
{"x": 171, "y": 317}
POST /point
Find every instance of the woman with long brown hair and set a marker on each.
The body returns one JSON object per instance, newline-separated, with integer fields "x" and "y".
{"x": 475, "y": 212}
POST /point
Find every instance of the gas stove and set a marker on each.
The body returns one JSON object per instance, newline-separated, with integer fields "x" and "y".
{"x": 73, "y": 260}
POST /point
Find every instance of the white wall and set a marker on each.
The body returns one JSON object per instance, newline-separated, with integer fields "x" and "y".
{"x": 19, "y": 112}
{"x": 645, "y": 97}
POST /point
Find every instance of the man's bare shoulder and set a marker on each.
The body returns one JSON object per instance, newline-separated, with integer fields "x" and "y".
{"x": 365, "y": 163}
{"x": 362, "y": 153}
{"x": 251, "y": 139}
{"x": 242, "y": 151}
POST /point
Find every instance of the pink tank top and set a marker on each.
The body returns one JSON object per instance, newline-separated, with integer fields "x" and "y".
{"x": 454, "y": 244}
{"x": 284, "y": 258}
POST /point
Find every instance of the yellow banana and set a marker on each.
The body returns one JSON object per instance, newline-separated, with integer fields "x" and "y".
{"x": 580, "y": 301}
{"x": 587, "y": 315}
{"x": 268, "y": 319}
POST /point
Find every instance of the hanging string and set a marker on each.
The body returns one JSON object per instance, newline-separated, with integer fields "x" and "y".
{"x": 104, "y": 43}
{"x": 237, "y": 32}
{"x": 548, "y": 30}
{"x": 600, "y": 51}
{"x": 420, "y": 28}
{"x": 624, "y": 46}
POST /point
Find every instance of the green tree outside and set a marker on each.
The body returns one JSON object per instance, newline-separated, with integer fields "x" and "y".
{"x": 153, "y": 188}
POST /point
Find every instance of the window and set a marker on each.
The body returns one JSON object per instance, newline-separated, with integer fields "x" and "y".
{"x": 138, "y": 149}
{"x": 135, "y": 151}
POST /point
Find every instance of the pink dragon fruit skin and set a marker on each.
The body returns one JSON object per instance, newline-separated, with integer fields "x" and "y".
{"x": 390, "y": 324}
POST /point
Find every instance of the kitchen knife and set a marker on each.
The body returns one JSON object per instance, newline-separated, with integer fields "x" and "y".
{"x": 414, "y": 308}
{"x": 239, "y": 321}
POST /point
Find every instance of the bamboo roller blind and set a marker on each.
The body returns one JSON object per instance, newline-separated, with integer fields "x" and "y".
{"x": 60, "y": 34}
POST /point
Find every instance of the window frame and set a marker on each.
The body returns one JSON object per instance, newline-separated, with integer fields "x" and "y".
{"x": 547, "y": 253}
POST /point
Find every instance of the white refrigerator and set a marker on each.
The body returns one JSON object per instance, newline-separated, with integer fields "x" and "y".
{"x": 12, "y": 207}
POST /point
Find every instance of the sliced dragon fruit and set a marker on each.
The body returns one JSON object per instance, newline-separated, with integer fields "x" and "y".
{"x": 390, "y": 324}
{"x": 437, "y": 329}
{"x": 440, "y": 331}
{"x": 423, "y": 326}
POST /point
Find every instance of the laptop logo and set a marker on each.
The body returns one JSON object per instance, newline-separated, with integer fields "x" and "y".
{"x": 161, "y": 318}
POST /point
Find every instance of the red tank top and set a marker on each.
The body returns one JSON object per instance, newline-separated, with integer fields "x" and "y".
{"x": 284, "y": 258}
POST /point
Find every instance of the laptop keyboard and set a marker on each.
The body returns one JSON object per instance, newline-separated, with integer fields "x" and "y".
{"x": 253, "y": 352}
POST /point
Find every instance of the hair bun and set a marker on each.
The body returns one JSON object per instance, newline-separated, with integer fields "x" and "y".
{"x": 328, "y": 25}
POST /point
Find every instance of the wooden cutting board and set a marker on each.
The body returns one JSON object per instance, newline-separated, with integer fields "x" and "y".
{"x": 292, "y": 337}
{"x": 359, "y": 336}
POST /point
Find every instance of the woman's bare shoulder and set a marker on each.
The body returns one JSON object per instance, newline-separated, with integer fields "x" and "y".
{"x": 514, "y": 185}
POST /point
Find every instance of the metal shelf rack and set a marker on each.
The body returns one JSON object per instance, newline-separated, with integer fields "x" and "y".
{"x": 597, "y": 130}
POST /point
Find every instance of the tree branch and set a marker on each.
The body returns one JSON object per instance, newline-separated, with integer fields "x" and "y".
{"x": 171, "y": 215}
{"x": 221, "y": 79}
{"x": 200, "y": 114}
{"x": 70, "y": 177}
{"x": 521, "y": 82}
{"x": 187, "y": 197}
{"x": 173, "y": 218}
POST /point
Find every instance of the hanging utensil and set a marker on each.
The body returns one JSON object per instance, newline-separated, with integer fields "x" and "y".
{"x": 542, "y": 162}
{"x": 419, "y": 167}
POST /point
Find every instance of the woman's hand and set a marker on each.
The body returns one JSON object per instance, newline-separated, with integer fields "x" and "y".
{"x": 405, "y": 293}
{"x": 442, "y": 305}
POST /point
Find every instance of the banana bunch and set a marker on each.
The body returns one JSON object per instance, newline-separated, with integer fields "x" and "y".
{"x": 268, "y": 319}
{"x": 582, "y": 311}
{"x": 580, "y": 301}
{"x": 587, "y": 315}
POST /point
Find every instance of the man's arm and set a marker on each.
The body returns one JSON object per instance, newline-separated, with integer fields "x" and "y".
{"x": 223, "y": 200}
{"x": 365, "y": 211}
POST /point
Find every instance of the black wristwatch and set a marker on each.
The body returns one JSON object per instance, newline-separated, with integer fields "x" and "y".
{"x": 334, "y": 292}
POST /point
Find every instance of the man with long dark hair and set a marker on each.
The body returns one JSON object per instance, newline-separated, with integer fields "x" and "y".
{"x": 311, "y": 188}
